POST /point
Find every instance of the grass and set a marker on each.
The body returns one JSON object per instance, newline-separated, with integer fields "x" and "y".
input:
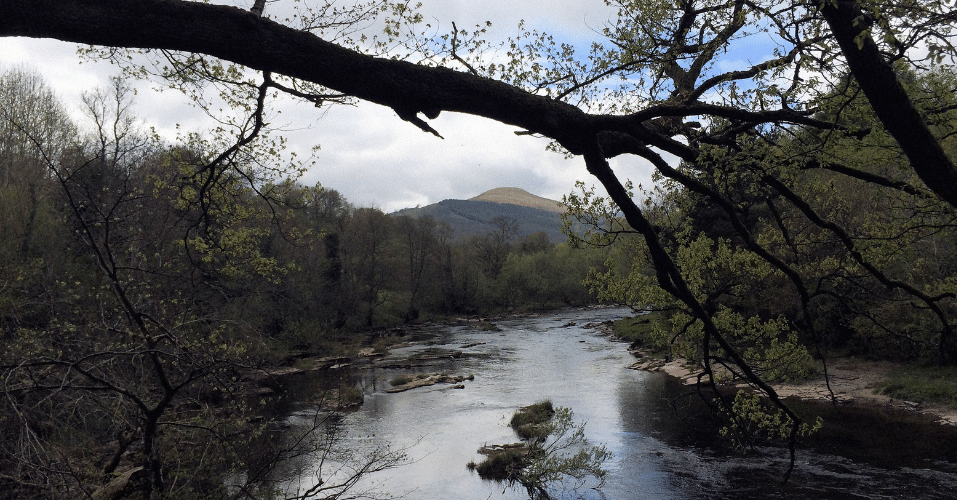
{"x": 405, "y": 379}
{"x": 381, "y": 345}
{"x": 350, "y": 396}
{"x": 640, "y": 332}
{"x": 304, "y": 363}
{"x": 923, "y": 384}
{"x": 501, "y": 466}
{"x": 529, "y": 421}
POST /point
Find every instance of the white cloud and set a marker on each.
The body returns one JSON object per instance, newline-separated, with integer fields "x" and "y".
{"x": 58, "y": 63}
{"x": 392, "y": 164}
{"x": 367, "y": 153}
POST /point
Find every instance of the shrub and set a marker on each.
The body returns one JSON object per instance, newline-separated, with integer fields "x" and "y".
{"x": 503, "y": 466}
{"x": 529, "y": 421}
{"x": 556, "y": 451}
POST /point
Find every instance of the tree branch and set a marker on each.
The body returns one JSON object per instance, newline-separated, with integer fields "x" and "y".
{"x": 889, "y": 99}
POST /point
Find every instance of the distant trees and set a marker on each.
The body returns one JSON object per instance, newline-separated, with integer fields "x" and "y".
{"x": 492, "y": 248}
{"x": 29, "y": 219}
{"x": 142, "y": 283}
{"x": 370, "y": 252}
{"x": 551, "y": 276}
{"x": 424, "y": 239}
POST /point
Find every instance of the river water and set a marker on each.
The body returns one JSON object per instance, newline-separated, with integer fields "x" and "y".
{"x": 663, "y": 444}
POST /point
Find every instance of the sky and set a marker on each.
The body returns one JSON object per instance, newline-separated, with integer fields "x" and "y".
{"x": 366, "y": 152}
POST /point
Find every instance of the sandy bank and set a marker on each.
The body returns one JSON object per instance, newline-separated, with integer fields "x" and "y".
{"x": 852, "y": 382}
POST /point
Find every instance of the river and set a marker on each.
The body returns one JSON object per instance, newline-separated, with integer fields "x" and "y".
{"x": 662, "y": 443}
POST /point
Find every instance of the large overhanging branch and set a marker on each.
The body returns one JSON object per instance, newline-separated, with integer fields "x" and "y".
{"x": 245, "y": 38}
{"x": 242, "y": 37}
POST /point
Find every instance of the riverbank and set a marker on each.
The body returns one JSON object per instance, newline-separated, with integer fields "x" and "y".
{"x": 849, "y": 381}
{"x": 843, "y": 380}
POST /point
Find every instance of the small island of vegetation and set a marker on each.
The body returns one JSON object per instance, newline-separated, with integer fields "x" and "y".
{"x": 553, "y": 449}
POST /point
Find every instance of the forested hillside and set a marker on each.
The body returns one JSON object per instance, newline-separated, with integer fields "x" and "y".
{"x": 475, "y": 217}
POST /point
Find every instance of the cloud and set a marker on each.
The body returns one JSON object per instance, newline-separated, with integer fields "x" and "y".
{"x": 568, "y": 19}
{"x": 373, "y": 157}
{"x": 367, "y": 153}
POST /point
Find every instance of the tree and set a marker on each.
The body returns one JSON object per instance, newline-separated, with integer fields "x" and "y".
{"x": 138, "y": 360}
{"x": 554, "y": 452}
{"x": 132, "y": 383}
{"x": 651, "y": 89}
{"x": 422, "y": 246}
{"x": 369, "y": 252}
{"x": 492, "y": 248}
{"x": 851, "y": 22}
{"x": 30, "y": 223}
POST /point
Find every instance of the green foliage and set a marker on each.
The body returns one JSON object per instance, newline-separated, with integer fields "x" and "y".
{"x": 503, "y": 465}
{"x": 713, "y": 270}
{"x": 753, "y": 420}
{"x": 529, "y": 422}
{"x": 646, "y": 331}
{"x": 555, "y": 450}
{"x": 564, "y": 455}
{"x": 548, "y": 278}
{"x": 796, "y": 239}
{"x": 488, "y": 326}
{"x": 598, "y": 217}
{"x": 144, "y": 283}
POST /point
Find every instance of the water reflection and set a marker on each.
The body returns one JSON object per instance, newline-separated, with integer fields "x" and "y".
{"x": 659, "y": 439}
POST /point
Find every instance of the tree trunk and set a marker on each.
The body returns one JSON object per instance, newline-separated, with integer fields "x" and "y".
{"x": 889, "y": 100}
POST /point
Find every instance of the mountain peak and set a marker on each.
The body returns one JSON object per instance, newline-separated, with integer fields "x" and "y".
{"x": 518, "y": 196}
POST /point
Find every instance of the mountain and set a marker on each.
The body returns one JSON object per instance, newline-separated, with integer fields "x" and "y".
{"x": 521, "y": 197}
{"x": 474, "y": 216}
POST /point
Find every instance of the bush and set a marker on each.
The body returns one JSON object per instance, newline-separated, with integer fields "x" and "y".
{"x": 645, "y": 331}
{"x": 529, "y": 421}
{"x": 556, "y": 451}
{"x": 488, "y": 326}
{"x": 503, "y": 466}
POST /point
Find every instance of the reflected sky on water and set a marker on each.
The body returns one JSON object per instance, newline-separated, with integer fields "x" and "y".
{"x": 657, "y": 437}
